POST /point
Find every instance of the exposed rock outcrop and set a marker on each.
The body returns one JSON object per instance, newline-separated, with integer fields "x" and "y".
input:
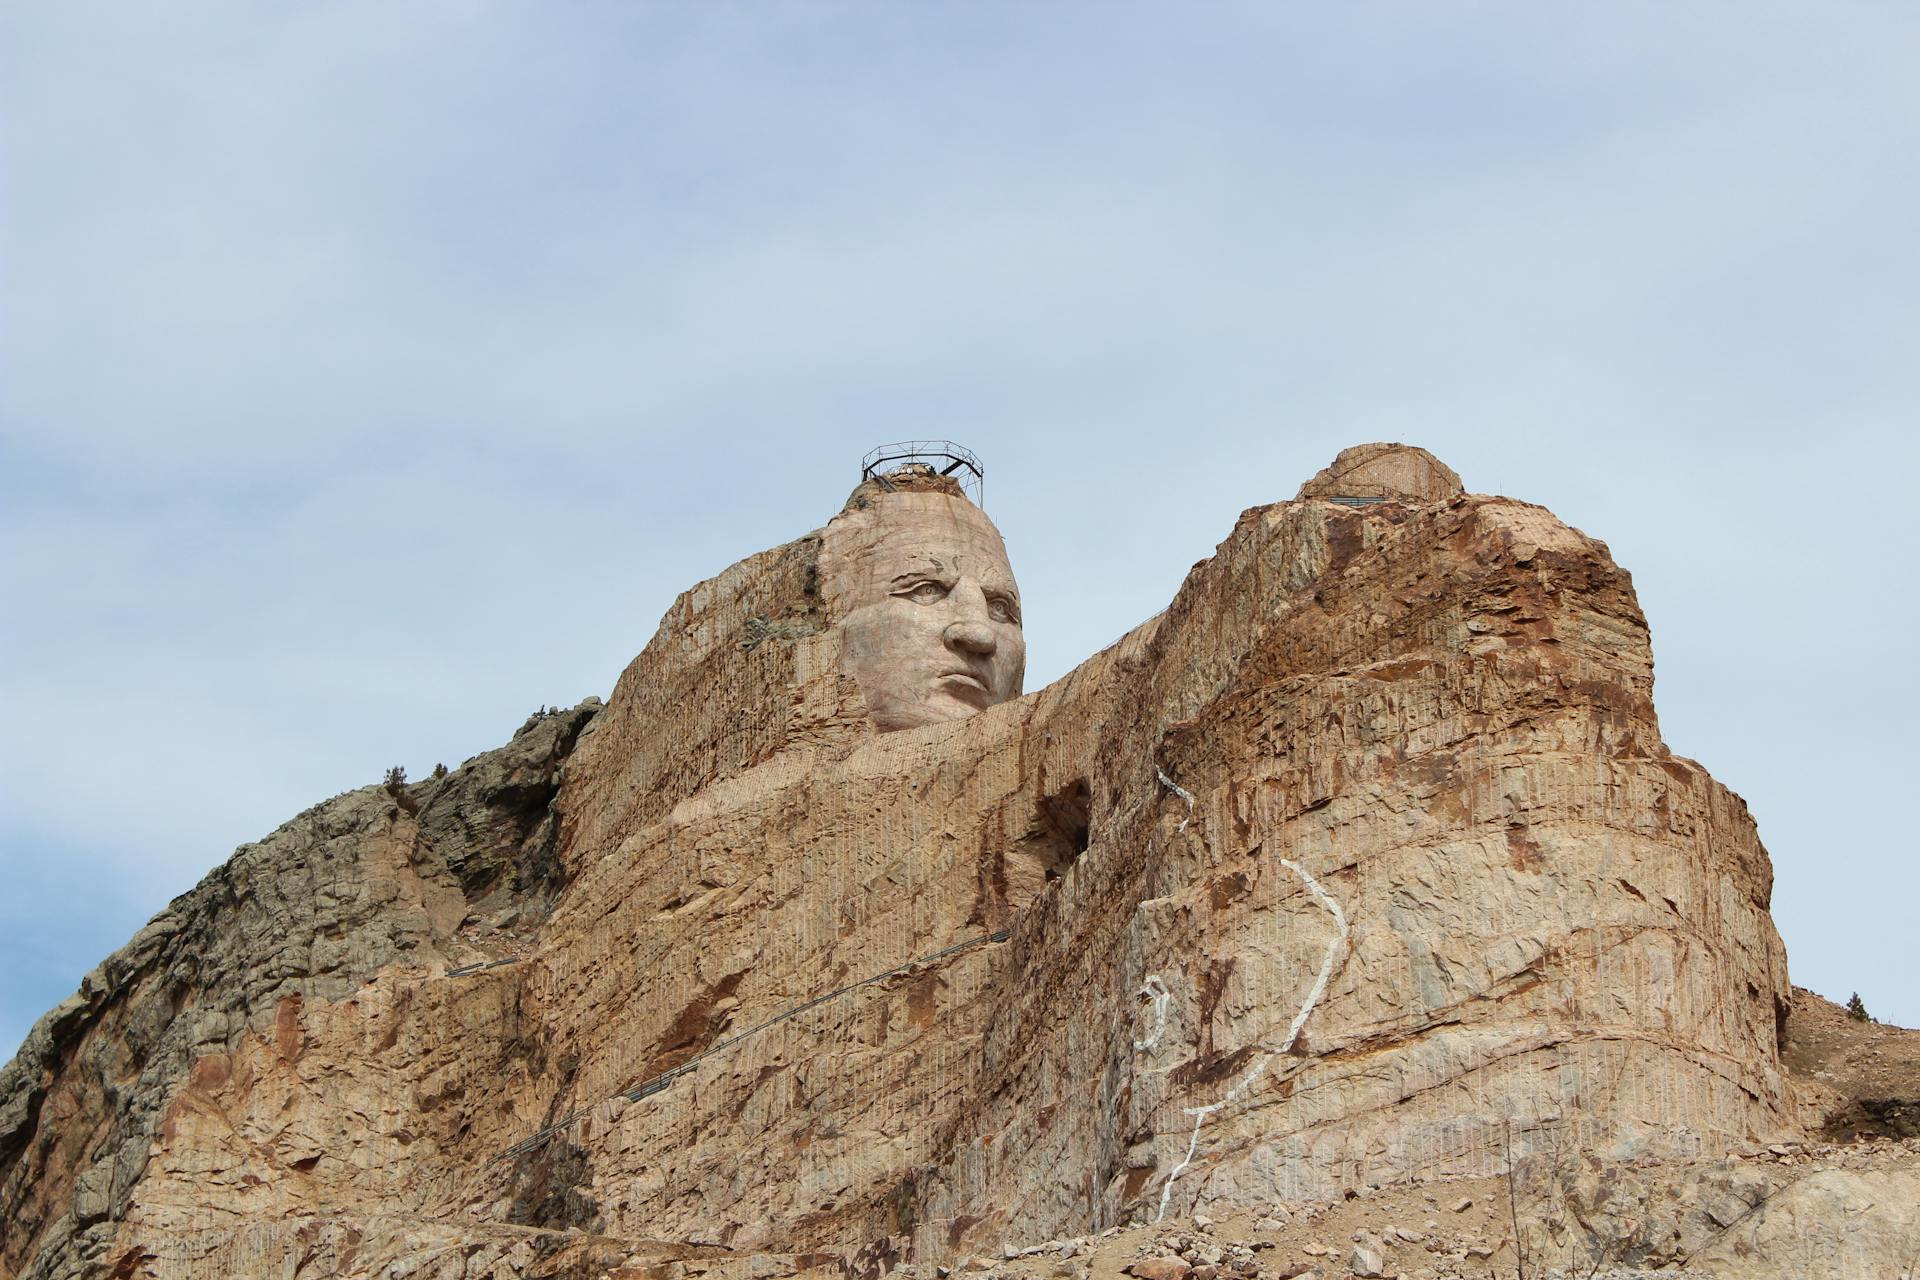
{"x": 1361, "y": 866}
{"x": 1384, "y": 473}
{"x": 399, "y": 883}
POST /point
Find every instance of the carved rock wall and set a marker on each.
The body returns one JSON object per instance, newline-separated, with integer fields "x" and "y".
{"x": 220, "y": 1067}
{"x": 1362, "y": 862}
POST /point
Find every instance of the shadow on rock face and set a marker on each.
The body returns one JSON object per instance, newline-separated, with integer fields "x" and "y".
{"x": 551, "y": 1190}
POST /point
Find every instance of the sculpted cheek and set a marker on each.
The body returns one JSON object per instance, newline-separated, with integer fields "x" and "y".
{"x": 1011, "y": 663}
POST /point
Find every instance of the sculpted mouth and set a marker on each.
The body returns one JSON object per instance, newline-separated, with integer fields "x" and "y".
{"x": 966, "y": 680}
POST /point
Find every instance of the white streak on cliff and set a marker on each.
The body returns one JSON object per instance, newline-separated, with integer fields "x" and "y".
{"x": 1158, "y": 990}
{"x": 1246, "y": 1081}
{"x": 1180, "y": 791}
{"x": 1200, "y": 1115}
{"x": 1326, "y": 965}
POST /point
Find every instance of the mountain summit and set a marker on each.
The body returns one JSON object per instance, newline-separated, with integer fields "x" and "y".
{"x": 1360, "y": 869}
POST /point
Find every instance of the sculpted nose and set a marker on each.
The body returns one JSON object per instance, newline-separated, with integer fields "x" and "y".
{"x": 971, "y": 637}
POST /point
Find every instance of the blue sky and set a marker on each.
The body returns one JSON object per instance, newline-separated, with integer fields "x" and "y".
{"x": 371, "y": 375}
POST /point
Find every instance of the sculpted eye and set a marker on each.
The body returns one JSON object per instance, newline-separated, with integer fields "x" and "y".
{"x": 928, "y": 592}
{"x": 1001, "y": 609}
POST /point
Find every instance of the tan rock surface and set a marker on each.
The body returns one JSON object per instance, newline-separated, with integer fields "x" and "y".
{"x": 919, "y": 587}
{"x": 1385, "y": 473}
{"x": 111, "y": 1107}
{"x": 1362, "y": 865}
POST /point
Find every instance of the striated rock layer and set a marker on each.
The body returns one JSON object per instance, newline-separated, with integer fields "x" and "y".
{"x": 1363, "y": 864}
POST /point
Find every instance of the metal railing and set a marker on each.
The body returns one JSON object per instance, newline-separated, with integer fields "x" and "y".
{"x": 943, "y": 456}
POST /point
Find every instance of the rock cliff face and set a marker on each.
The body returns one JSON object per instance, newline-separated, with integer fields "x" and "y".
{"x": 1363, "y": 865}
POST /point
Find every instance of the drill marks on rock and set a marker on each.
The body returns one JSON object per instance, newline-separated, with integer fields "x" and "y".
{"x": 1253, "y": 1073}
{"x": 655, "y": 1084}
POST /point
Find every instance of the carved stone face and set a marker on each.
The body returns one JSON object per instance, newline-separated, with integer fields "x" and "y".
{"x": 927, "y": 603}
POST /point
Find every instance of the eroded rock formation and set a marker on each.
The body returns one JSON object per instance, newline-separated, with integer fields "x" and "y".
{"x": 1362, "y": 865}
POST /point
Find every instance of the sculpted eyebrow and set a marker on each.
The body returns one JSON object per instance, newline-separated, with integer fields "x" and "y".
{"x": 929, "y": 567}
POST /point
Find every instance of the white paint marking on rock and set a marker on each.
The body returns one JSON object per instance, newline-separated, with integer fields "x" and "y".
{"x": 1246, "y": 1081}
{"x": 1158, "y": 990}
{"x": 1326, "y": 965}
{"x": 1200, "y": 1115}
{"x": 1180, "y": 791}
